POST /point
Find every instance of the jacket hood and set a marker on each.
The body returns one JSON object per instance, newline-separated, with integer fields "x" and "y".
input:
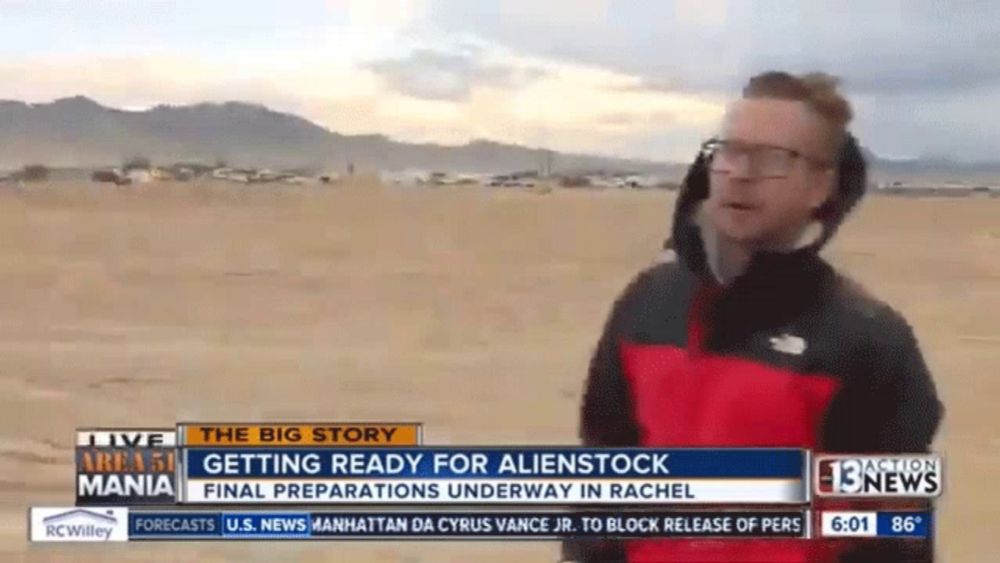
{"x": 686, "y": 237}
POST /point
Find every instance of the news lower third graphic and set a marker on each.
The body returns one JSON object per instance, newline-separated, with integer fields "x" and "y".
{"x": 366, "y": 481}
{"x": 908, "y": 476}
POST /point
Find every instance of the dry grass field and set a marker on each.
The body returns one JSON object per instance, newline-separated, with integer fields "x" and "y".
{"x": 472, "y": 310}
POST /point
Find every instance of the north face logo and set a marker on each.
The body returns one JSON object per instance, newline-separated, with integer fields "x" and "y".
{"x": 788, "y": 344}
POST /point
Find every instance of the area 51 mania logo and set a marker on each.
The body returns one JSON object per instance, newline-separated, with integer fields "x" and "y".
{"x": 75, "y": 524}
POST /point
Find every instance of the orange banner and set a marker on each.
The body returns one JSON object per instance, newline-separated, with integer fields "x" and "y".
{"x": 290, "y": 434}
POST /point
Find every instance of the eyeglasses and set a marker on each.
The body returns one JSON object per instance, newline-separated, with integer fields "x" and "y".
{"x": 763, "y": 161}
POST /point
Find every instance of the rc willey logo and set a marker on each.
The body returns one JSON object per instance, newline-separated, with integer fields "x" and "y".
{"x": 75, "y": 524}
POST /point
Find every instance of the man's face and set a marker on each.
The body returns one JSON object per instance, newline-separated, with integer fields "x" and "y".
{"x": 760, "y": 196}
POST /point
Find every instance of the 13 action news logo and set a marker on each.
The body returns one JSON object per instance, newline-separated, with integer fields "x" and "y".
{"x": 879, "y": 476}
{"x": 74, "y": 524}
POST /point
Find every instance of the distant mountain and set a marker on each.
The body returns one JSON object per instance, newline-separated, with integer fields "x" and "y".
{"x": 935, "y": 171}
{"x": 80, "y": 132}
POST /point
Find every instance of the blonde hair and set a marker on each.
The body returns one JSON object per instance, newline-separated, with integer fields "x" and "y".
{"x": 817, "y": 90}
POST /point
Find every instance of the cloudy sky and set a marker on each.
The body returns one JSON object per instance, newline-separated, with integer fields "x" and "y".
{"x": 635, "y": 78}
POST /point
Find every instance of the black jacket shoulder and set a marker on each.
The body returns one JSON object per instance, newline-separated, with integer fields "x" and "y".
{"x": 889, "y": 402}
{"x": 653, "y": 306}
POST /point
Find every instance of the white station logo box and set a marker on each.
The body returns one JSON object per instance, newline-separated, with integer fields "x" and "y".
{"x": 878, "y": 476}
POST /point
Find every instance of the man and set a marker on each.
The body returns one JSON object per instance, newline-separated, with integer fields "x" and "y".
{"x": 747, "y": 337}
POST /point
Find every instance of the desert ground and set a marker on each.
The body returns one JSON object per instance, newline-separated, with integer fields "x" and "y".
{"x": 471, "y": 310}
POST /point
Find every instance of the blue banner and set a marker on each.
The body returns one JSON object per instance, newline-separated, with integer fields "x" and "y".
{"x": 480, "y": 463}
{"x": 904, "y": 524}
{"x": 465, "y": 525}
{"x": 266, "y": 525}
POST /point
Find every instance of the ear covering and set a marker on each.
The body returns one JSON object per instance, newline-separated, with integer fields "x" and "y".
{"x": 852, "y": 181}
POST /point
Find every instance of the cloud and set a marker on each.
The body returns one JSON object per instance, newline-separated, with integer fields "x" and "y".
{"x": 571, "y": 95}
{"x": 438, "y": 75}
{"x": 884, "y": 47}
{"x": 502, "y": 95}
{"x": 393, "y": 15}
{"x": 934, "y": 65}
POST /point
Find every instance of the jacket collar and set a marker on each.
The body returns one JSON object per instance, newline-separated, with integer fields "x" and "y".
{"x": 768, "y": 274}
{"x": 713, "y": 259}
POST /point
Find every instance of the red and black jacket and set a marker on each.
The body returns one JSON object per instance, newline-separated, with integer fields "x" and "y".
{"x": 789, "y": 354}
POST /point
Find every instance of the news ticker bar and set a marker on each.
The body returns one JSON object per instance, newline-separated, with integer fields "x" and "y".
{"x": 480, "y": 525}
{"x": 124, "y": 524}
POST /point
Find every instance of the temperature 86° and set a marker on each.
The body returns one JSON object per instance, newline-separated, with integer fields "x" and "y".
{"x": 905, "y": 524}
